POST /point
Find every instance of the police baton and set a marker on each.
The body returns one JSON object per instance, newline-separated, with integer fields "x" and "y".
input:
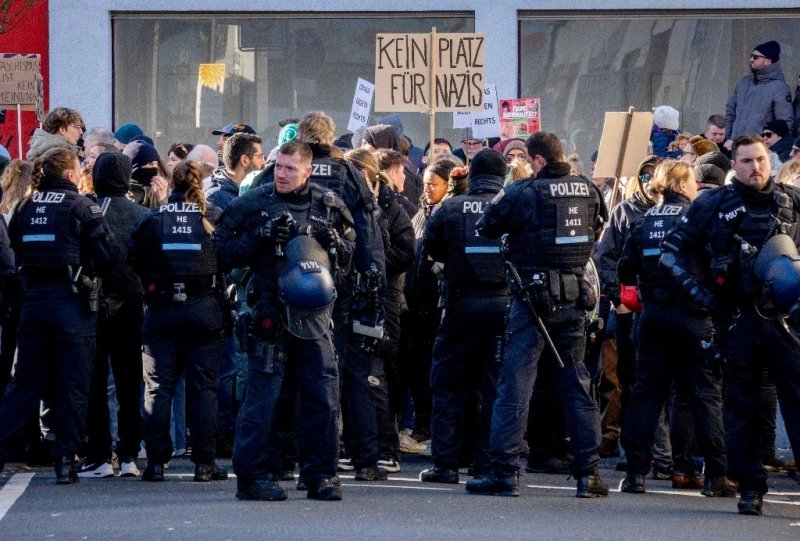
{"x": 526, "y": 299}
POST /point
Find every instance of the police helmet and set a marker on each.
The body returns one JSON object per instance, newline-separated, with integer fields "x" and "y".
{"x": 777, "y": 271}
{"x": 306, "y": 288}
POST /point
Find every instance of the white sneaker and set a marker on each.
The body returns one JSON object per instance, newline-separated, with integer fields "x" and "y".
{"x": 95, "y": 470}
{"x": 128, "y": 469}
{"x": 409, "y": 445}
{"x": 388, "y": 464}
{"x": 345, "y": 464}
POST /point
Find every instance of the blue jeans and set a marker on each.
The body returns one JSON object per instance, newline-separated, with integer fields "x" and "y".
{"x": 523, "y": 347}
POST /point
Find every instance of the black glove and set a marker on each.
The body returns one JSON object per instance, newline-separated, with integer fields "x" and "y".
{"x": 278, "y": 229}
{"x": 329, "y": 238}
{"x": 702, "y": 299}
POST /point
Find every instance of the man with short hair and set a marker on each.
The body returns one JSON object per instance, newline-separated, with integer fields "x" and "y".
{"x": 227, "y": 131}
{"x": 760, "y": 97}
{"x": 440, "y": 146}
{"x": 733, "y": 223}
{"x": 551, "y": 222}
{"x": 715, "y": 129}
{"x": 469, "y": 147}
{"x": 318, "y": 130}
{"x": 242, "y": 154}
{"x": 293, "y": 234}
{"x": 62, "y": 127}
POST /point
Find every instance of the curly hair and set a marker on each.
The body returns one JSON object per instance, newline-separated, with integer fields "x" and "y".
{"x": 16, "y": 182}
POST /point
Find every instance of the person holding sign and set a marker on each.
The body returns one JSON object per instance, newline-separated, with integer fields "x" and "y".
{"x": 551, "y": 222}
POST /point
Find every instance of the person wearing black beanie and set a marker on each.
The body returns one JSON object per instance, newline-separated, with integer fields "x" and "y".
{"x": 760, "y": 97}
{"x": 488, "y": 162}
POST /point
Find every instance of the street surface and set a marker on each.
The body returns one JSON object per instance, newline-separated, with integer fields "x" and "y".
{"x": 32, "y": 507}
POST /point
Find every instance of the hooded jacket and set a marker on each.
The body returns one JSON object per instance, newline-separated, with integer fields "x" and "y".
{"x": 757, "y": 99}
{"x": 42, "y": 141}
{"x": 112, "y": 178}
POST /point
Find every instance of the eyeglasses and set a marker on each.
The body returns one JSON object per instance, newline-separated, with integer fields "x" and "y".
{"x": 755, "y": 56}
{"x": 474, "y": 143}
{"x": 77, "y": 127}
{"x": 511, "y": 157}
{"x": 767, "y": 134}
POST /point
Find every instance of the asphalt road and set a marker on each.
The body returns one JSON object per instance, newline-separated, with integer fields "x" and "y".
{"x": 402, "y": 509}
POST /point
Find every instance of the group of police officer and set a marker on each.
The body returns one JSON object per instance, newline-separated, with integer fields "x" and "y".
{"x": 308, "y": 231}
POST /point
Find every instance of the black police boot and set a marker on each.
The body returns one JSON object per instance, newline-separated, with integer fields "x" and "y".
{"x": 633, "y": 484}
{"x": 153, "y": 473}
{"x": 439, "y": 475}
{"x": 204, "y": 473}
{"x": 494, "y": 484}
{"x": 718, "y": 487}
{"x": 263, "y": 489}
{"x": 328, "y": 490}
{"x": 591, "y": 486}
{"x": 65, "y": 470}
{"x": 370, "y": 473}
{"x": 751, "y": 502}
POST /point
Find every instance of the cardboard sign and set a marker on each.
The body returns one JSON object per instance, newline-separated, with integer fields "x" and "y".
{"x": 404, "y": 64}
{"x": 210, "y": 88}
{"x": 362, "y": 101}
{"x": 21, "y": 81}
{"x": 520, "y": 118}
{"x": 620, "y": 154}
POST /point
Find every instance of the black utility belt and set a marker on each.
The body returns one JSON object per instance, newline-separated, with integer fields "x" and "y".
{"x": 46, "y": 277}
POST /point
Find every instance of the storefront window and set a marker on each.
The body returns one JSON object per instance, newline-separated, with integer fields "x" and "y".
{"x": 275, "y": 67}
{"x": 582, "y": 65}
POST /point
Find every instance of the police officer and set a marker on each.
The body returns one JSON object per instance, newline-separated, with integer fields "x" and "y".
{"x": 358, "y": 405}
{"x": 258, "y": 230}
{"x": 465, "y": 353}
{"x": 61, "y": 239}
{"x": 551, "y": 222}
{"x": 675, "y": 343}
{"x": 734, "y": 222}
{"x": 173, "y": 253}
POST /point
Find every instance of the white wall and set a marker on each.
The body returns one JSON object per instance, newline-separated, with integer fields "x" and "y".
{"x": 81, "y": 53}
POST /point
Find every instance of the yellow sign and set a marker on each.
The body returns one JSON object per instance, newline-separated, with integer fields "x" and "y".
{"x": 405, "y": 65}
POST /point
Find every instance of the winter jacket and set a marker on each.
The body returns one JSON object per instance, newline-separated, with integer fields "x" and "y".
{"x": 757, "y": 99}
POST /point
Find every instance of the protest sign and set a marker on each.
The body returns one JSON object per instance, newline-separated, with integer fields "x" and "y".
{"x": 20, "y": 81}
{"x": 623, "y": 144}
{"x": 486, "y": 123}
{"x": 410, "y": 68}
{"x": 520, "y": 118}
{"x": 362, "y": 100}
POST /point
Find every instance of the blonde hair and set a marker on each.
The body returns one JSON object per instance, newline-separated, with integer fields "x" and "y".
{"x": 367, "y": 163}
{"x": 188, "y": 176}
{"x": 16, "y": 182}
{"x": 669, "y": 175}
{"x": 789, "y": 173}
{"x": 316, "y": 128}
{"x": 575, "y": 165}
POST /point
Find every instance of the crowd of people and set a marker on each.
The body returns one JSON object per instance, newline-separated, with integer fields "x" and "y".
{"x": 342, "y": 299}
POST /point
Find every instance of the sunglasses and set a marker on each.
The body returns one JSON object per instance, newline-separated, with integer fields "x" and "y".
{"x": 767, "y": 134}
{"x": 756, "y": 56}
